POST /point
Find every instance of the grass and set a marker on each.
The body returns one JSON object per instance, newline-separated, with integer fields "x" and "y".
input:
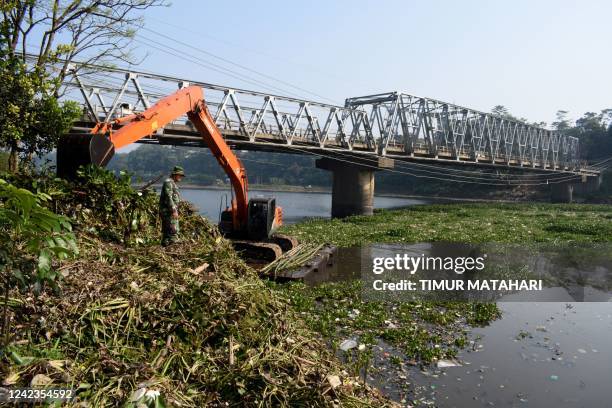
{"x": 464, "y": 223}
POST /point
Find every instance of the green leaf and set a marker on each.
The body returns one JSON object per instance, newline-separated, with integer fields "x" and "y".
{"x": 19, "y": 360}
{"x": 59, "y": 242}
{"x": 44, "y": 261}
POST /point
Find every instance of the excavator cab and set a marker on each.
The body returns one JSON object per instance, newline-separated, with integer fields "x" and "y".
{"x": 261, "y": 217}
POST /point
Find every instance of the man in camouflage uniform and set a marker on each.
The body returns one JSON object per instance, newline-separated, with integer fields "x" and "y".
{"x": 168, "y": 206}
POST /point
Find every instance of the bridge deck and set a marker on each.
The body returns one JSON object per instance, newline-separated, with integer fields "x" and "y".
{"x": 394, "y": 124}
{"x": 185, "y": 135}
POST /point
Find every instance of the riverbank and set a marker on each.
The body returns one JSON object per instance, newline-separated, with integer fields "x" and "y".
{"x": 127, "y": 323}
{"x": 325, "y": 190}
{"x": 258, "y": 187}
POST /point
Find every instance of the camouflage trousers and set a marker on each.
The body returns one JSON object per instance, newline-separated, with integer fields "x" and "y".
{"x": 170, "y": 229}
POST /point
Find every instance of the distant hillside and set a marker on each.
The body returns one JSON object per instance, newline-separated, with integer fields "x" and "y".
{"x": 148, "y": 161}
{"x": 201, "y": 167}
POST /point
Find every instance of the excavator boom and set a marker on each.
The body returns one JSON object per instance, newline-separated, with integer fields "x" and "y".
{"x": 190, "y": 101}
{"x": 98, "y": 147}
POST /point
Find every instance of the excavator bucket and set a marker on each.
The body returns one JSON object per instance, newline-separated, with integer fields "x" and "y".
{"x": 81, "y": 149}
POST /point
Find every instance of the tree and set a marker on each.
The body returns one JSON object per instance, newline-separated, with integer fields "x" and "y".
{"x": 595, "y": 135}
{"x": 562, "y": 123}
{"x": 95, "y": 31}
{"x": 500, "y": 110}
{"x": 590, "y": 122}
{"x": 606, "y": 118}
{"x": 31, "y": 118}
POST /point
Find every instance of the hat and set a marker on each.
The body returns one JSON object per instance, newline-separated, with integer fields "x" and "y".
{"x": 178, "y": 170}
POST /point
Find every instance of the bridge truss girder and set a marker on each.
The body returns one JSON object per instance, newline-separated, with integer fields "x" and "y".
{"x": 393, "y": 124}
{"x": 420, "y": 125}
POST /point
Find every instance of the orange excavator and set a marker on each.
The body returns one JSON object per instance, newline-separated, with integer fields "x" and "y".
{"x": 250, "y": 223}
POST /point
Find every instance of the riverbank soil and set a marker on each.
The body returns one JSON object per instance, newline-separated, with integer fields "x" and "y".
{"x": 130, "y": 324}
{"x": 462, "y": 353}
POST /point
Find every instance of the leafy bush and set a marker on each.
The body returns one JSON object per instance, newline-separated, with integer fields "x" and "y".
{"x": 34, "y": 237}
{"x": 100, "y": 203}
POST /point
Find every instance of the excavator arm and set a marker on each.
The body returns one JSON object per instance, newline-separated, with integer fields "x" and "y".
{"x": 100, "y": 147}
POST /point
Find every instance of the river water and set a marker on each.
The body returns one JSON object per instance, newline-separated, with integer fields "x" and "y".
{"x": 563, "y": 358}
{"x": 565, "y": 361}
{"x": 296, "y": 205}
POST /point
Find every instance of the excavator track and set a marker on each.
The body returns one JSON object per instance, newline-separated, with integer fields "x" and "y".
{"x": 265, "y": 251}
{"x": 286, "y": 242}
{"x": 257, "y": 251}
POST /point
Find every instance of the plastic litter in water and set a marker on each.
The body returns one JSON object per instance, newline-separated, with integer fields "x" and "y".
{"x": 448, "y": 363}
{"x": 348, "y": 344}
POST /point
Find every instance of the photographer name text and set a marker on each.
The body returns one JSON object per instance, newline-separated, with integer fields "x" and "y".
{"x": 456, "y": 284}
{"x": 459, "y": 265}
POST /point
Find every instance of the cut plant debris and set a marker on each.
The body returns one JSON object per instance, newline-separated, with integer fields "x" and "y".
{"x": 135, "y": 325}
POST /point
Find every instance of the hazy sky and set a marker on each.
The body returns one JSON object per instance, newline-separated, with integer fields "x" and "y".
{"x": 534, "y": 57}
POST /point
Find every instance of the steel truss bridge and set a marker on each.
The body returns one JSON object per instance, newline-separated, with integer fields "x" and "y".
{"x": 396, "y": 125}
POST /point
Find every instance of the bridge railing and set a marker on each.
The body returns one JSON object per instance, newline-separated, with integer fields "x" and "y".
{"x": 253, "y": 115}
{"x": 394, "y": 124}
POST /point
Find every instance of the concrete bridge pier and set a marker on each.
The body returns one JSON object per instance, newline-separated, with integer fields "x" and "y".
{"x": 589, "y": 184}
{"x": 353, "y": 184}
{"x": 564, "y": 192}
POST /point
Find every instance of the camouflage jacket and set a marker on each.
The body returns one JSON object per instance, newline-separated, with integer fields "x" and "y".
{"x": 169, "y": 198}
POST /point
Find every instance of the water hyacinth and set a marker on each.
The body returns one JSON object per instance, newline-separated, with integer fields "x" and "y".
{"x": 531, "y": 222}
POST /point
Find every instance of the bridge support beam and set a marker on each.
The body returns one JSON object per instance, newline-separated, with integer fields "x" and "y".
{"x": 353, "y": 184}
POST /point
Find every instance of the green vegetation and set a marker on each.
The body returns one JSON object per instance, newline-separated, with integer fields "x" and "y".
{"x": 192, "y": 323}
{"x": 465, "y": 223}
{"x": 98, "y": 202}
{"x": 31, "y": 118}
{"x": 33, "y": 238}
{"x": 425, "y": 331}
{"x": 202, "y": 168}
